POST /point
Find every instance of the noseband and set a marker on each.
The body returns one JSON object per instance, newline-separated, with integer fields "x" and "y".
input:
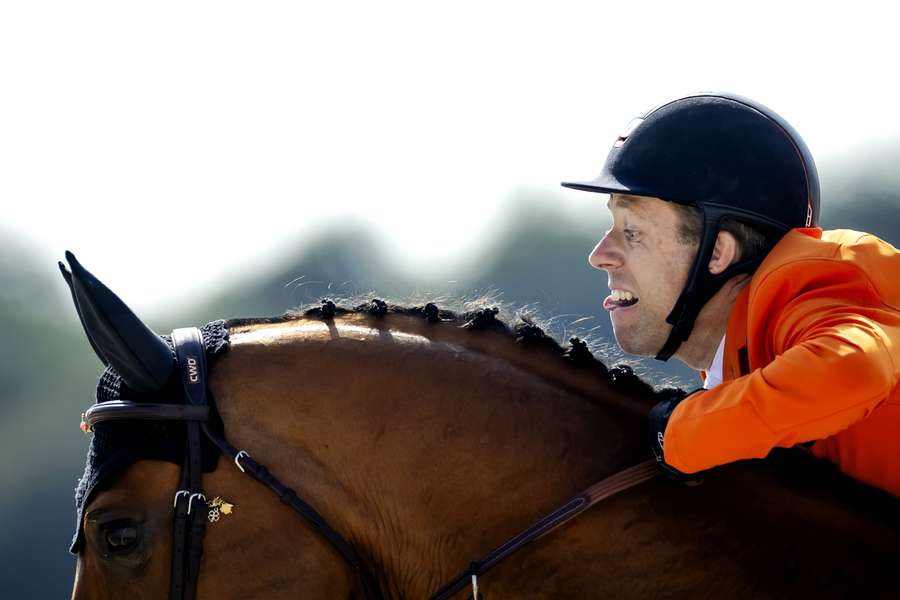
{"x": 189, "y": 525}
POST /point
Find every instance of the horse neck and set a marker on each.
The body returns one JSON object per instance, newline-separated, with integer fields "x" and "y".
{"x": 428, "y": 445}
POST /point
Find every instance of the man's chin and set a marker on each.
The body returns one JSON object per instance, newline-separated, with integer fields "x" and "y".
{"x": 636, "y": 347}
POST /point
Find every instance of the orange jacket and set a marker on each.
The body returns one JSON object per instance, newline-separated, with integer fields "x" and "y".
{"x": 812, "y": 352}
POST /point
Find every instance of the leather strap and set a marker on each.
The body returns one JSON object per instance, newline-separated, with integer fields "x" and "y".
{"x": 289, "y": 497}
{"x": 114, "y": 410}
{"x": 191, "y": 359}
{"x": 179, "y": 533}
{"x": 610, "y": 486}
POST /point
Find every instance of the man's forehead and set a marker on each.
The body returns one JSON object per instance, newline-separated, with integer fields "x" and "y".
{"x": 638, "y": 204}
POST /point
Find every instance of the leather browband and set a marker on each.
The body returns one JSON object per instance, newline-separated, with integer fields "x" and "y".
{"x": 114, "y": 410}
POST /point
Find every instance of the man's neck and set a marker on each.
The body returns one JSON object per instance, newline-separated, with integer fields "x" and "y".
{"x": 699, "y": 349}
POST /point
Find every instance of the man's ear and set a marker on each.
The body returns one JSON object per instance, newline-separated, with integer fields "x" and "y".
{"x": 726, "y": 252}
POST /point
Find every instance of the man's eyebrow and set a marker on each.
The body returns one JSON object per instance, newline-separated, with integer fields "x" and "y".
{"x": 627, "y": 202}
{"x": 616, "y": 201}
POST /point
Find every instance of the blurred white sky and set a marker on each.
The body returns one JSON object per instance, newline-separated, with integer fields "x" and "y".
{"x": 122, "y": 122}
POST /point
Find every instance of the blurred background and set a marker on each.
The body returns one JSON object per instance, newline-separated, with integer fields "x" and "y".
{"x": 409, "y": 149}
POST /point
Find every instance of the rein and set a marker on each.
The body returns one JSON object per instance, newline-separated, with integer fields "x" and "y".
{"x": 576, "y": 505}
{"x": 189, "y": 525}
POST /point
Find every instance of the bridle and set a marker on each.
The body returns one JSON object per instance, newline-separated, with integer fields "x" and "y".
{"x": 189, "y": 524}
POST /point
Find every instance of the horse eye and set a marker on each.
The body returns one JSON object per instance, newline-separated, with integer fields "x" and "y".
{"x": 120, "y": 537}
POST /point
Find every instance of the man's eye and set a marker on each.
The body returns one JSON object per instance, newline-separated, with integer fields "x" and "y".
{"x": 630, "y": 234}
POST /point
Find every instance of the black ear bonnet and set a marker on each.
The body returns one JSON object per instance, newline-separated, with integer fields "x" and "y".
{"x": 115, "y": 445}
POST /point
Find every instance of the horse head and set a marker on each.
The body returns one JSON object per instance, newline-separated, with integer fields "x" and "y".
{"x": 124, "y": 501}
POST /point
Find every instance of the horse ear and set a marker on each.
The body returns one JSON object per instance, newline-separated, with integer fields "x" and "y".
{"x": 68, "y": 277}
{"x": 118, "y": 337}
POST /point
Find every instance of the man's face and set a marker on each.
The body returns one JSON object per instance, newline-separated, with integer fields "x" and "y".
{"x": 647, "y": 265}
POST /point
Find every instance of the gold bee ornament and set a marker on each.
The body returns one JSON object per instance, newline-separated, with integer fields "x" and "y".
{"x": 218, "y": 507}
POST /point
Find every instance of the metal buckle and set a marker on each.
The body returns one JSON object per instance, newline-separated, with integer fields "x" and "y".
{"x": 191, "y": 500}
{"x": 179, "y": 493}
{"x": 237, "y": 459}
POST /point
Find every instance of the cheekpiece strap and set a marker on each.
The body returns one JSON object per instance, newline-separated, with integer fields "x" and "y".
{"x": 189, "y": 531}
{"x": 192, "y": 362}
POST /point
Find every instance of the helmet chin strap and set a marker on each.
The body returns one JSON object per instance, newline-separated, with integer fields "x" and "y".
{"x": 701, "y": 285}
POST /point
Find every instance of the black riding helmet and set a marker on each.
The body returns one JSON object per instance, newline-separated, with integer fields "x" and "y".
{"x": 727, "y": 156}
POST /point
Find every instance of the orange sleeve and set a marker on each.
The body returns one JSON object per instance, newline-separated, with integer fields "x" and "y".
{"x": 832, "y": 365}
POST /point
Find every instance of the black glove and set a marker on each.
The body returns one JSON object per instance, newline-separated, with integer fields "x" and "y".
{"x": 659, "y": 418}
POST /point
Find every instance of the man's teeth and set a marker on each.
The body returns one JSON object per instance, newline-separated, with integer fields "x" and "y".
{"x": 622, "y": 295}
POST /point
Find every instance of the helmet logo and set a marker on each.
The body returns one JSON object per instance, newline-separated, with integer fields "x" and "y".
{"x": 808, "y": 213}
{"x": 628, "y": 131}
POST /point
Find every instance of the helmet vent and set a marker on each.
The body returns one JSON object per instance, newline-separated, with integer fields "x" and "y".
{"x": 628, "y": 131}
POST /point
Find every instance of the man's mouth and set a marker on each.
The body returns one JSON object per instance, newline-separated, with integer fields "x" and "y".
{"x": 619, "y": 299}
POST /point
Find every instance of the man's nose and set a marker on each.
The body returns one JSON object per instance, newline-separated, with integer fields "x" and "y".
{"x": 606, "y": 254}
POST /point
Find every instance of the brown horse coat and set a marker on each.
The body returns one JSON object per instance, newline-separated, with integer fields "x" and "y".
{"x": 427, "y": 445}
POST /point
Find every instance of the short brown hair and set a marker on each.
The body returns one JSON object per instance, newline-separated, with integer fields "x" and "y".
{"x": 752, "y": 243}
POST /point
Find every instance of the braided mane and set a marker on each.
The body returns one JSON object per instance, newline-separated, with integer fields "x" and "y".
{"x": 524, "y": 330}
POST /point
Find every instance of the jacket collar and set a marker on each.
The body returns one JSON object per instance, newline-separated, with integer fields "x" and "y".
{"x": 736, "y": 337}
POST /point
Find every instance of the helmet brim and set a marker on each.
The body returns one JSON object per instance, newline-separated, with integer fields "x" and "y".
{"x": 605, "y": 184}
{"x": 589, "y": 186}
